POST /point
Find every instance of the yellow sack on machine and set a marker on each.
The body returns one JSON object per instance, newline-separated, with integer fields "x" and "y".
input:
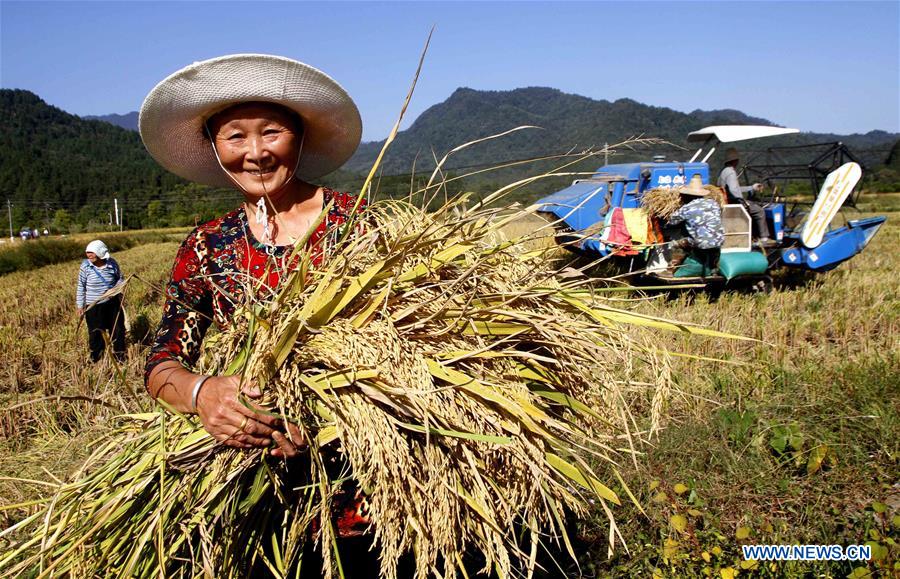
{"x": 637, "y": 223}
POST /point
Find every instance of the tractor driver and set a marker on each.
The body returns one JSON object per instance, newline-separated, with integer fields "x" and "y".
{"x": 728, "y": 180}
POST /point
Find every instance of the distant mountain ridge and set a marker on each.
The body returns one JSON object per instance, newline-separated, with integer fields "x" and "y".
{"x": 57, "y": 167}
{"x": 50, "y": 156}
{"x": 54, "y": 161}
{"x": 127, "y": 121}
{"x": 567, "y": 121}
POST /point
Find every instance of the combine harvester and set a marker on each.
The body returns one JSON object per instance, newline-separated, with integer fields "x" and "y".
{"x": 801, "y": 240}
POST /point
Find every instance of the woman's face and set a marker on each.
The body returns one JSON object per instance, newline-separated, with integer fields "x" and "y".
{"x": 258, "y": 145}
{"x": 91, "y": 256}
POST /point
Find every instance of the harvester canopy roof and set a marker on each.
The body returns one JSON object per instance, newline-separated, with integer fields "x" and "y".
{"x": 733, "y": 133}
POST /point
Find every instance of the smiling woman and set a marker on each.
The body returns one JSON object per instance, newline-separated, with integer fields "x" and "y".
{"x": 258, "y": 145}
{"x": 264, "y": 125}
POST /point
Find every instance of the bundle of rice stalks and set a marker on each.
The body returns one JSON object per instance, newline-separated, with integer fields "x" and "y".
{"x": 462, "y": 386}
{"x": 661, "y": 202}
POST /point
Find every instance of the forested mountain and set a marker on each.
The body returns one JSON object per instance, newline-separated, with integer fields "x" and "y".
{"x": 57, "y": 169}
{"x": 61, "y": 170}
{"x": 566, "y": 121}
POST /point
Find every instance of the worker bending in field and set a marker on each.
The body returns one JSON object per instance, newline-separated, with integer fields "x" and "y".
{"x": 728, "y": 180}
{"x": 702, "y": 218}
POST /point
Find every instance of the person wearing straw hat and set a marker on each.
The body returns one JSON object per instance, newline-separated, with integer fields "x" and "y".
{"x": 267, "y": 126}
{"x": 99, "y": 274}
{"x": 728, "y": 180}
{"x": 702, "y": 219}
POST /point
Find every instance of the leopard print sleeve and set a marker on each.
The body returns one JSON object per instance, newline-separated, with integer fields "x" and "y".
{"x": 188, "y": 310}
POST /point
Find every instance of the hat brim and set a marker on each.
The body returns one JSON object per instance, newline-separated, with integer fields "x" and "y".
{"x": 173, "y": 115}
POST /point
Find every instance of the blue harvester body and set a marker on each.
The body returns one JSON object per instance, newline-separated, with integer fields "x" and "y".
{"x": 585, "y": 204}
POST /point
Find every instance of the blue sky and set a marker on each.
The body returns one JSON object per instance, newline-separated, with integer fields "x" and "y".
{"x": 817, "y": 66}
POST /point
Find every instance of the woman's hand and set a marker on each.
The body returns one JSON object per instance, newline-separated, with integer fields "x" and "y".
{"x": 232, "y": 423}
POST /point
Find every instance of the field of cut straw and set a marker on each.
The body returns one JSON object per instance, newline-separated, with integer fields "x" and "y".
{"x": 798, "y": 445}
{"x": 54, "y": 401}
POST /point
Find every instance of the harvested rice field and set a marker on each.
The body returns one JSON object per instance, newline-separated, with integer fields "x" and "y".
{"x": 788, "y": 439}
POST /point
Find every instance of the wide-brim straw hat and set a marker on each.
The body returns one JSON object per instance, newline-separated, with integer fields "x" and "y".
{"x": 731, "y": 154}
{"x": 173, "y": 115}
{"x": 695, "y": 187}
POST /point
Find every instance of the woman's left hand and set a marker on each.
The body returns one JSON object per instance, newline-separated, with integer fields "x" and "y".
{"x": 244, "y": 424}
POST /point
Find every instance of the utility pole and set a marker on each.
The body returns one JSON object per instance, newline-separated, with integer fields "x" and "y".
{"x": 606, "y": 153}
{"x": 116, "y": 209}
{"x": 9, "y": 210}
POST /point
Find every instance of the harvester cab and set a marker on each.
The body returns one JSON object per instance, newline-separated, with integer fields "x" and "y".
{"x": 608, "y": 216}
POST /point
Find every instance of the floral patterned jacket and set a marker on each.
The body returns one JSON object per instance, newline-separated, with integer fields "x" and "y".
{"x": 218, "y": 263}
